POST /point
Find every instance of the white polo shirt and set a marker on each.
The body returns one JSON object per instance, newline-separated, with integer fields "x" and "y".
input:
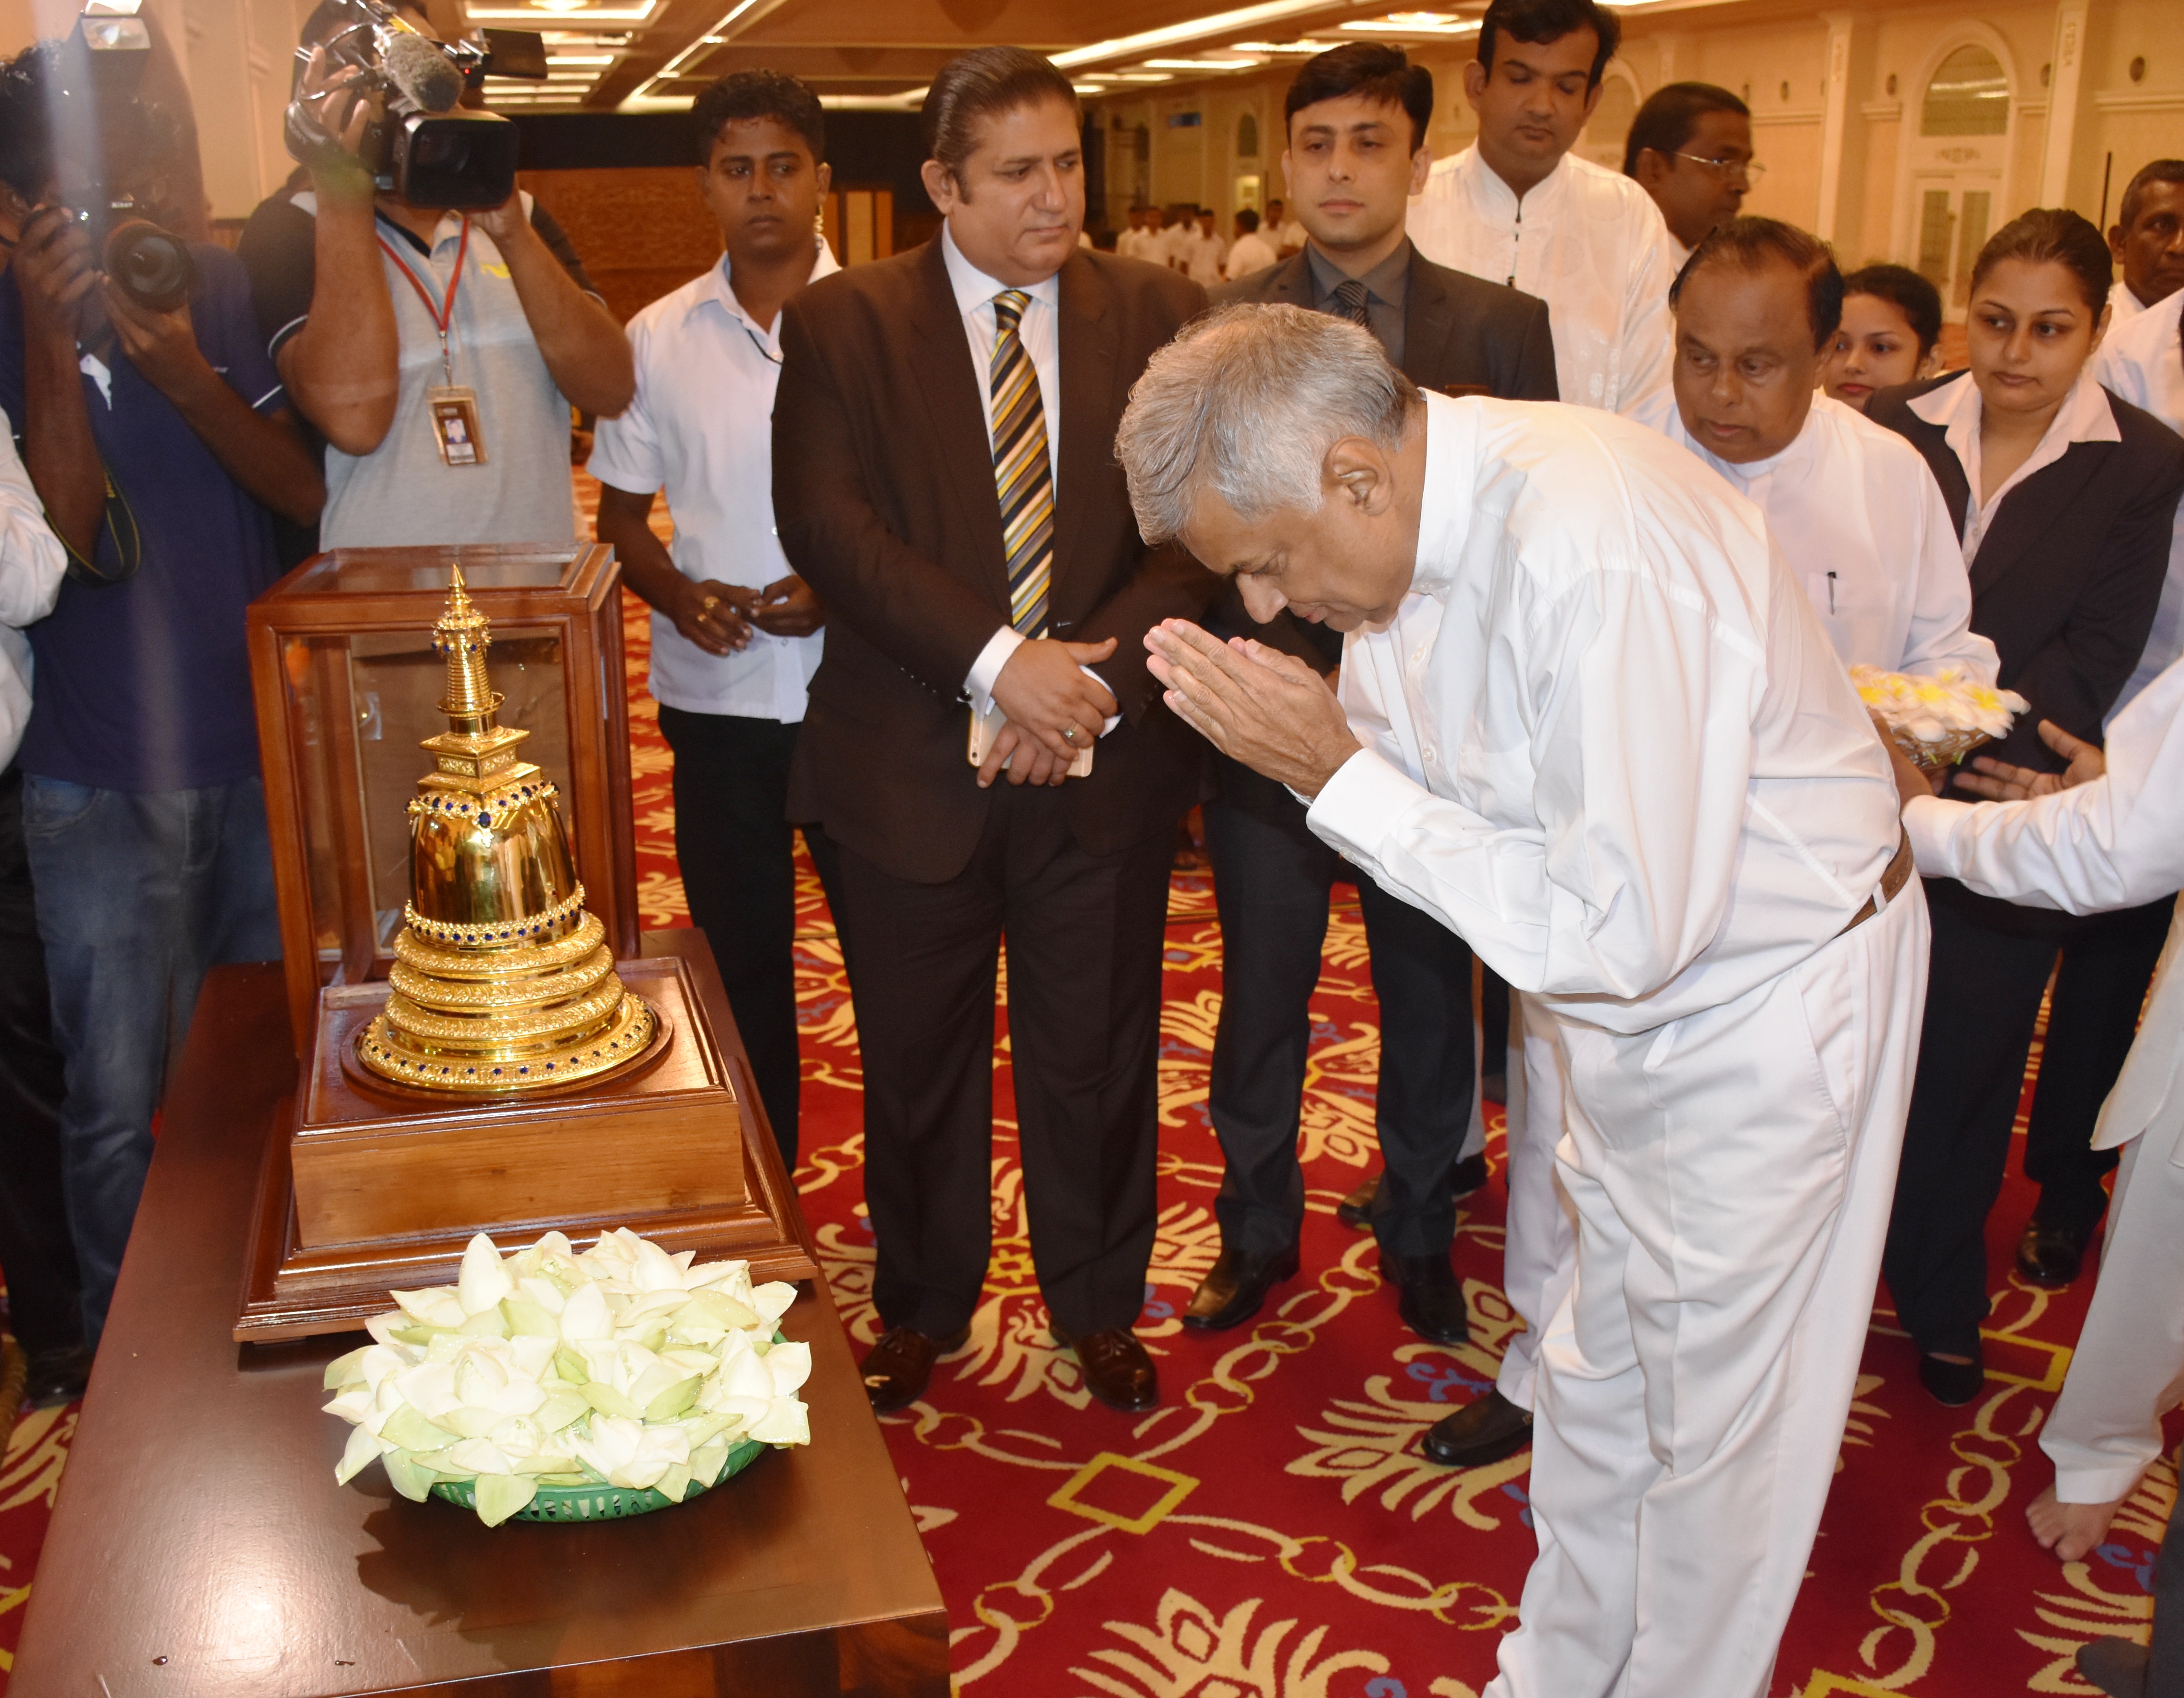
{"x": 701, "y": 431}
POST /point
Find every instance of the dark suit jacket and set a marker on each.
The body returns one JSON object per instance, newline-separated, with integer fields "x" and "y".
{"x": 1460, "y": 332}
{"x": 2066, "y": 582}
{"x": 883, "y": 498}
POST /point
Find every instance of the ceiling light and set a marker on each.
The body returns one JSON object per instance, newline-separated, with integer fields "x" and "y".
{"x": 1200, "y": 64}
{"x": 576, "y": 14}
{"x": 1142, "y": 76}
{"x": 1303, "y": 45}
{"x": 580, "y": 59}
{"x": 1412, "y": 24}
{"x": 1189, "y": 30}
{"x": 1091, "y": 89}
{"x": 711, "y": 38}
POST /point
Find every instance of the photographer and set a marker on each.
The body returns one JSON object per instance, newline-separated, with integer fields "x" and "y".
{"x": 156, "y": 440}
{"x": 438, "y": 353}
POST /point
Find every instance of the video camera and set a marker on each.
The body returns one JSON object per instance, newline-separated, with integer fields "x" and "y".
{"x": 99, "y": 89}
{"x": 420, "y": 144}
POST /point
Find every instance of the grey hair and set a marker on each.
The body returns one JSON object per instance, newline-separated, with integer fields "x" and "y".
{"x": 1246, "y": 402}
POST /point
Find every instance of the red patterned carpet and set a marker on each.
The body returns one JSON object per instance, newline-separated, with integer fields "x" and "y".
{"x": 1270, "y": 1531}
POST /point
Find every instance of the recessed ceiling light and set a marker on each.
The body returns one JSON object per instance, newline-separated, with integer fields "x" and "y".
{"x": 1142, "y": 76}
{"x": 580, "y": 59}
{"x": 1189, "y": 30}
{"x": 1303, "y": 45}
{"x": 1201, "y": 65}
{"x": 578, "y": 13}
{"x": 1412, "y": 24}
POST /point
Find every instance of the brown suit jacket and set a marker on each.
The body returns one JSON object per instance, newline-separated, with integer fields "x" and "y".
{"x": 883, "y": 498}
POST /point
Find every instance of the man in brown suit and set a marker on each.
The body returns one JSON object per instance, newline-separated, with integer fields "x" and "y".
{"x": 944, "y": 479}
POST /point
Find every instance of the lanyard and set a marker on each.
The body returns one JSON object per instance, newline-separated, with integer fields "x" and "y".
{"x": 443, "y": 314}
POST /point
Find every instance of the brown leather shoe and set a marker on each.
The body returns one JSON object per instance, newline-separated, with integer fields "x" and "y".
{"x": 897, "y": 1367}
{"x": 1235, "y": 1288}
{"x": 1117, "y": 1369}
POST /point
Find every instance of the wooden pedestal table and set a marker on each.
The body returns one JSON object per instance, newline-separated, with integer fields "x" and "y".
{"x": 200, "y": 1546}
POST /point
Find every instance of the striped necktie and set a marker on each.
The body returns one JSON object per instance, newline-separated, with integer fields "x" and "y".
{"x": 1349, "y": 302}
{"x": 1022, "y": 476}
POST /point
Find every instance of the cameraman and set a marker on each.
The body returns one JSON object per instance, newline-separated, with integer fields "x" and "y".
{"x": 353, "y": 288}
{"x": 157, "y": 441}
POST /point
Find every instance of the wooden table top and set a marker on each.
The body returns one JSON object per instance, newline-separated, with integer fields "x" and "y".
{"x": 199, "y": 1545}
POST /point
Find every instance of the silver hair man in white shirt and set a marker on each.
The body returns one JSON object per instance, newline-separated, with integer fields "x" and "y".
{"x": 1588, "y": 722}
{"x": 1518, "y": 208}
{"x": 1863, "y": 528}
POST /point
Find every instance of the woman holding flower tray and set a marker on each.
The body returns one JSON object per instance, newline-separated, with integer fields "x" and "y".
{"x": 2063, "y": 496}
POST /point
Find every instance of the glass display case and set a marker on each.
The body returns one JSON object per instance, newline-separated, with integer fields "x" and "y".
{"x": 348, "y": 687}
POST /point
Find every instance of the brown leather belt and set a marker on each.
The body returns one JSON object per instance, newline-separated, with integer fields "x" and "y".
{"x": 1893, "y": 878}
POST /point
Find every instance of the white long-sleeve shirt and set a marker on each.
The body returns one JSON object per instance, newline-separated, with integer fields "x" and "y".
{"x": 31, "y": 565}
{"x": 1588, "y": 242}
{"x": 2114, "y": 843}
{"x": 2143, "y": 360}
{"x": 1605, "y": 740}
{"x": 1859, "y": 517}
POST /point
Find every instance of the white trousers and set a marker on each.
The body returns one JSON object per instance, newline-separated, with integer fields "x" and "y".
{"x": 1538, "y": 1241}
{"x": 2128, "y": 1369}
{"x": 1732, "y": 1173}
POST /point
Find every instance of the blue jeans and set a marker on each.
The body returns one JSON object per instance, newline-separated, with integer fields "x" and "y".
{"x": 138, "y": 894}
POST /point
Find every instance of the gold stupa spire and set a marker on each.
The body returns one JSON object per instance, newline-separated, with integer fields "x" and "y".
{"x": 502, "y": 981}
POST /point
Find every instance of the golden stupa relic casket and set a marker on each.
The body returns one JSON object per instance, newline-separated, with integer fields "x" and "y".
{"x": 484, "y": 1044}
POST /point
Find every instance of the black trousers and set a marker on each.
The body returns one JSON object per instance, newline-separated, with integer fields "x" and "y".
{"x": 1989, "y": 969}
{"x": 1271, "y": 878}
{"x": 37, "y": 1254}
{"x": 2092, "y": 1018}
{"x": 738, "y": 853}
{"x": 1084, "y": 934}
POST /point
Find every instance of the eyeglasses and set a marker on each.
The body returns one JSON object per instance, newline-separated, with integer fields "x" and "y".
{"x": 1750, "y": 170}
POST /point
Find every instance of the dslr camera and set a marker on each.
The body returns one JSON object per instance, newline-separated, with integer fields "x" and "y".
{"x": 420, "y": 144}
{"x": 99, "y": 110}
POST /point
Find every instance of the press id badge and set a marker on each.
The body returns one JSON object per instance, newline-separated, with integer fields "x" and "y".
{"x": 453, "y": 410}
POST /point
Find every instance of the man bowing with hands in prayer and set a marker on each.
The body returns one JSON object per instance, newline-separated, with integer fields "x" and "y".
{"x": 1588, "y": 721}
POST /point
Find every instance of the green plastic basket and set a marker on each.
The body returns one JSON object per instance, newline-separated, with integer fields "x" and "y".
{"x": 597, "y": 1503}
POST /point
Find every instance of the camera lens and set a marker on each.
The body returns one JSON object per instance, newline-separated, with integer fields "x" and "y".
{"x": 150, "y": 265}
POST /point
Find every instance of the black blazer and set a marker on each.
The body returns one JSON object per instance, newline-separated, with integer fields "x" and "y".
{"x": 883, "y": 498}
{"x": 1460, "y": 332}
{"x": 2066, "y": 582}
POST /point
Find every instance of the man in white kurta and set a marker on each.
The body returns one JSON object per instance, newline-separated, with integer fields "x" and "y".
{"x": 1861, "y": 525}
{"x": 2144, "y": 362}
{"x": 1604, "y": 740}
{"x": 1588, "y": 242}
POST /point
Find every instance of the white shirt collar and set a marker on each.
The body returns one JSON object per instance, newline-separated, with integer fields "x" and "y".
{"x": 1497, "y": 196}
{"x": 1750, "y": 472}
{"x": 717, "y": 289}
{"x": 1445, "y": 507}
{"x": 974, "y": 289}
{"x": 2084, "y": 417}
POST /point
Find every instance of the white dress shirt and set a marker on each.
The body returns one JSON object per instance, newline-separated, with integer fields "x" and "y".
{"x": 2144, "y": 362}
{"x": 1605, "y": 740}
{"x": 2124, "y": 306}
{"x": 1859, "y": 517}
{"x": 700, "y": 429}
{"x": 1251, "y": 253}
{"x": 31, "y": 565}
{"x": 1590, "y": 243}
{"x": 1956, "y": 406}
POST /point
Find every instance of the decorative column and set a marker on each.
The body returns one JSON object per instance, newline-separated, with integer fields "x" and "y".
{"x": 2062, "y": 104}
{"x": 1835, "y": 119}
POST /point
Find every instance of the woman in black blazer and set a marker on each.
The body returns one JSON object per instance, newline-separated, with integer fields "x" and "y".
{"x": 2063, "y": 496}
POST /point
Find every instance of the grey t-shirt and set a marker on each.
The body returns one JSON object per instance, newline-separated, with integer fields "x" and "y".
{"x": 402, "y": 492}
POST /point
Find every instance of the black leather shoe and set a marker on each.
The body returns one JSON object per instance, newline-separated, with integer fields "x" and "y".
{"x": 1952, "y": 1383}
{"x": 1432, "y": 1302}
{"x": 1355, "y": 1210}
{"x": 1235, "y": 1289}
{"x": 57, "y": 1377}
{"x": 2050, "y": 1257}
{"x": 1117, "y": 1369}
{"x": 2115, "y": 1665}
{"x": 1479, "y": 1433}
{"x": 897, "y": 1367}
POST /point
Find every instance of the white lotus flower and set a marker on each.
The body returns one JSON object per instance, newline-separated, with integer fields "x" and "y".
{"x": 483, "y": 1281}
{"x": 630, "y": 1454}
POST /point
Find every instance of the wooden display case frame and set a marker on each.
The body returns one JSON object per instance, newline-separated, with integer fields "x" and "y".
{"x": 346, "y": 592}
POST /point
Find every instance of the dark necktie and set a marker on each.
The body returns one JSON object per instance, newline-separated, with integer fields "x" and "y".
{"x": 1350, "y": 302}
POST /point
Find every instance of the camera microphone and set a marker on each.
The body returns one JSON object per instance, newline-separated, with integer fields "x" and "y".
{"x": 424, "y": 75}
